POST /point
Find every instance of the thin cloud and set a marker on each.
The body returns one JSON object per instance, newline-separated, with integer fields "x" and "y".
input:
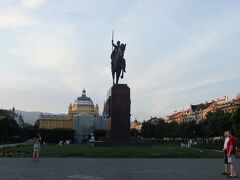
{"x": 49, "y": 49}
{"x": 32, "y": 4}
{"x": 15, "y": 17}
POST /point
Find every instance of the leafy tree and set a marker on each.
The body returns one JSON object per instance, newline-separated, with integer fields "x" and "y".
{"x": 159, "y": 130}
{"x": 147, "y": 130}
{"x": 170, "y": 130}
{"x": 191, "y": 128}
{"x": 236, "y": 122}
{"x": 224, "y": 122}
{"x": 217, "y": 123}
{"x": 21, "y": 121}
{"x": 183, "y": 130}
{"x": 134, "y": 132}
{"x": 201, "y": 129}
{"x": 8, "y": 129}
{"x": 211, "y": 128}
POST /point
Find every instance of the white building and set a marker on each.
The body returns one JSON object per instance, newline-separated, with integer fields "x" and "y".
{"x": 85, "y": 124}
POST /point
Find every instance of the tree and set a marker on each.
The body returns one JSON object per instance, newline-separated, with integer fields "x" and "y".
{"x": 170, "y": 130}
{"x": 202, "y": 128}
{"x": 211, "y": 129}
{"x": 217, "y": 123}
{"x": 134, "y": 132}
{"x": 21, "y": 121}
{"x": 147, "y": 130}
{"x": 236, "y": 122}
{"x": 8, "y": 129}
{"x": 191, "y": 129}
{"x": 158, "y": 131}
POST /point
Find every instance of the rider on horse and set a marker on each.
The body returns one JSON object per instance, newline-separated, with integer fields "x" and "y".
{"x": 119, "y": 49}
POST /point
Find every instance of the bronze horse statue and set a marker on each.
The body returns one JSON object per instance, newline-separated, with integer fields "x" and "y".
{"x": 118, "y": 62}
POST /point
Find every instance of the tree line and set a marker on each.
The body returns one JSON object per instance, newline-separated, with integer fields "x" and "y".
{"x": 213, "y": 126}
{"x": 10, "y": 132}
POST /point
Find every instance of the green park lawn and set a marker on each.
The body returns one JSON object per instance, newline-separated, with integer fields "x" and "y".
{"x": 155, "y": 151}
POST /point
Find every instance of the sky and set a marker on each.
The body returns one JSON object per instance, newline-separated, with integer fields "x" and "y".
{"x": 178, "y": 52}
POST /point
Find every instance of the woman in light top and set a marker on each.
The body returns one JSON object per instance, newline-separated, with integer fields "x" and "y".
{"x": 36, "y": 147}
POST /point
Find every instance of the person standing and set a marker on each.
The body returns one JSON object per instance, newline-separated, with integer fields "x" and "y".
{"x": 91, "y": 140}
{"x": 36, "y": 147}
{"x": 231, "y": 153}
{"x": 226, "y": 167}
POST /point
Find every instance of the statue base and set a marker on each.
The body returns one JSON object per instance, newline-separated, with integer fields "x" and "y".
{"x": 118, "y": 105}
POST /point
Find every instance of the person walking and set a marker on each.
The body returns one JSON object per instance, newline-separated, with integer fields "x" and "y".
{"x": 36, "y": 147}
{"x": 231, "y": 153}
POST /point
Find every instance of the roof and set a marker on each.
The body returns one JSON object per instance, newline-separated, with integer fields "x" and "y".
{"x": 6, "y": 113}
{"x": 53, "y": 116}
{"x": 84, "y": 100}
{"x": 199, "y": 107}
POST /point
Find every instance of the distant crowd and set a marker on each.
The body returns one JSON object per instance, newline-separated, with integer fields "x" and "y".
{"x": 67, "y": 142}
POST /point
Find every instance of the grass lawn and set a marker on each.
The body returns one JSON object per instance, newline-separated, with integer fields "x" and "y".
{"x": 156, "y": 151}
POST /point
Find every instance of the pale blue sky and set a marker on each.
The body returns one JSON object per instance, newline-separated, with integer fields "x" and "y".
{"x": 178, "y": 52}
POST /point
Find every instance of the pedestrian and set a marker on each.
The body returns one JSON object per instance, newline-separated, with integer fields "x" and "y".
{"x": 36, "y": 147}
{"x": 226, "y": 167}
{"x": 231, "y": 153}
{"x": 91, "y": 140}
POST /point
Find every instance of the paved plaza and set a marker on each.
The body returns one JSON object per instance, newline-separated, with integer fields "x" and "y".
{"x": 110, "y": 169}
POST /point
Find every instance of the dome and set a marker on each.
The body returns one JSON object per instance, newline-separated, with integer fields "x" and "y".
{"x": 238, "y": 96}
{"x": 84, "y": 100}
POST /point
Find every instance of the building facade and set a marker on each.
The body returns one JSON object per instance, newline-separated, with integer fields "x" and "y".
{"x": 85, "y": 124}
{"x": 82, "y": 104}
{"x": 7, "y": 114}
{"x": 54, "y": 121}
{"x": 179, "y": 116}
{"x": 198, "y": 112}
{"x": 136, "y": 125}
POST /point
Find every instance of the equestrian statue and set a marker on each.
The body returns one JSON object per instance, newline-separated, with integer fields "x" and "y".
{"x": 118, "y": 63}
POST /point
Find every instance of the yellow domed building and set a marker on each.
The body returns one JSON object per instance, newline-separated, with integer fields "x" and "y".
{"x": 82, "y": 104}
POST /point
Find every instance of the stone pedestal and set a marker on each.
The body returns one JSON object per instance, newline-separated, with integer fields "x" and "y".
{"x": 118, "y": 112}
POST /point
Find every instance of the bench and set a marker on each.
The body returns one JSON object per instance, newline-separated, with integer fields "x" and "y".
{"x": 10, "y": 152}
